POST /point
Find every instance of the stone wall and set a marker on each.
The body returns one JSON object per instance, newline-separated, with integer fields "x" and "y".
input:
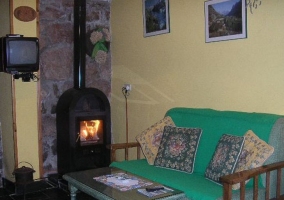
{"x": 56, "y": 64}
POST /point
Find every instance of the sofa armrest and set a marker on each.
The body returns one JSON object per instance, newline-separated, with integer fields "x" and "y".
{"x": 125, "y": 146}
{"x": 241, "y": 177}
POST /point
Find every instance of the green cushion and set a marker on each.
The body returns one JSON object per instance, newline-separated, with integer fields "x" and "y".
{"x": 194, "y": 185}
{"x": 178, "y": 148}
{"x": 216, "y": 123}
{"x": 226, "y": 156}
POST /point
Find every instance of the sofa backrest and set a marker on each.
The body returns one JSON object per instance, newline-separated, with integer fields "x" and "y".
{"x": 216, "y": 123}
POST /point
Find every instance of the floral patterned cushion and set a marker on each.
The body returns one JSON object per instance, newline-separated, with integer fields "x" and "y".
{"x": 255, "y": 152}
{"x": 225, "y": 157}
{"x": 150, "y": 139}
{"x": 178, "y": 148}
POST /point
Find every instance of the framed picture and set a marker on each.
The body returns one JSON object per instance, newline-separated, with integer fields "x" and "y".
{"x": 225, "y": 20}
{"x": 155, "y": 17}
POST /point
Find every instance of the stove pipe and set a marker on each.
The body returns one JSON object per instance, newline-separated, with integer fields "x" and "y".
{"x": 79, "y": 43}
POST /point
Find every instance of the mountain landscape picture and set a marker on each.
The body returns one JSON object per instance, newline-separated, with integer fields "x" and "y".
{"x": 225, "y": 18}
{"x": 155, "y": 17}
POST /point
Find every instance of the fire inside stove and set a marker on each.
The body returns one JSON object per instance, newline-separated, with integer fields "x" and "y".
{"x": 91, "y": 132}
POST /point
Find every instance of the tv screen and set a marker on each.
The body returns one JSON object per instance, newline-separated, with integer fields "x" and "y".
{"x": 19, "y": 54}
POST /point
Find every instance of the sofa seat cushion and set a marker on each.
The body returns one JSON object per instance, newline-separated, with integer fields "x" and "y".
{"x": 194, "y": 185}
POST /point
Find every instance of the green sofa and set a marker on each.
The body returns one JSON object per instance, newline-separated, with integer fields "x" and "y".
{"x": 214, "y": 124}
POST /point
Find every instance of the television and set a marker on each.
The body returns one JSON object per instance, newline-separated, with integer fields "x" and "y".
{"x": 19, "y": 54}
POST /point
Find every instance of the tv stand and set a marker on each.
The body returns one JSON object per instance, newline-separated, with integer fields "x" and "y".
{"x": 26, "y": 77}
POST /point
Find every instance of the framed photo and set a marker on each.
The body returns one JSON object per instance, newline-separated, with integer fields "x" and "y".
{"x": 225, "y": 20}
{"x": 155, "y": 17}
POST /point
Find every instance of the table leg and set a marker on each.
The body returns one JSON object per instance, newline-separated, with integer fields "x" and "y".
{"x": 73, "y": 191}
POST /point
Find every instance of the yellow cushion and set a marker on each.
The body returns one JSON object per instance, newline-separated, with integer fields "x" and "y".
{"x": 255, "y": 152}
{"x": 150, "y": 138}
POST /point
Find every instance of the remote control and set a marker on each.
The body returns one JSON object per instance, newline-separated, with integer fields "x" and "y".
{"x": 153, "y": 189}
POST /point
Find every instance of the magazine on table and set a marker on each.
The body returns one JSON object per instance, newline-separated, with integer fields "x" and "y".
{"x": 154, "y": 191}
{"x": 122, "y": 181}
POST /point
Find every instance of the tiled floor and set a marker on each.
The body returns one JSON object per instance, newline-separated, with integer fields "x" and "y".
{"x": 40, "y": 190}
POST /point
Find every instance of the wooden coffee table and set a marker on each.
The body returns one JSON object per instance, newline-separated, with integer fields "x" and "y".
{"x": 85, "y": 182}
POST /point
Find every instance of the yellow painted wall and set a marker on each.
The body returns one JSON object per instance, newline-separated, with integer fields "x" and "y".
{"x": 6, "y": 102}
{"x": 26, "y": 101}
{"x": 180, "y": 69}
{"x": 4, "y": 18}
{"x": 6, "y": 125}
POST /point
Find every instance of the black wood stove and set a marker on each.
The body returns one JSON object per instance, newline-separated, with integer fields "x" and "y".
{"x": 83, "y": 118}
